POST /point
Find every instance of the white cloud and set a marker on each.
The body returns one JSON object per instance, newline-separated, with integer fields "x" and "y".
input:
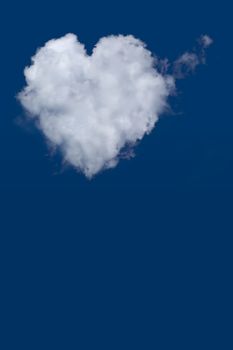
{"x": 92, "y": 107}
{"x": 95, "y": 108}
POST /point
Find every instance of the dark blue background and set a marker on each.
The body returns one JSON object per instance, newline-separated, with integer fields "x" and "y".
{"x": 141, "y": 256}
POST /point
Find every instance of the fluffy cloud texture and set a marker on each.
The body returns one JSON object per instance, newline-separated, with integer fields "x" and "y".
{"x": 92, "y": 107}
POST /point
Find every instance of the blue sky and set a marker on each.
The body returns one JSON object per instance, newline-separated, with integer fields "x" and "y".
{"x": 139, "y": 257}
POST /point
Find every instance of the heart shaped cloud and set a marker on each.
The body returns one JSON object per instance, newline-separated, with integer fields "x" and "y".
{"x": 92, "y": 107}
